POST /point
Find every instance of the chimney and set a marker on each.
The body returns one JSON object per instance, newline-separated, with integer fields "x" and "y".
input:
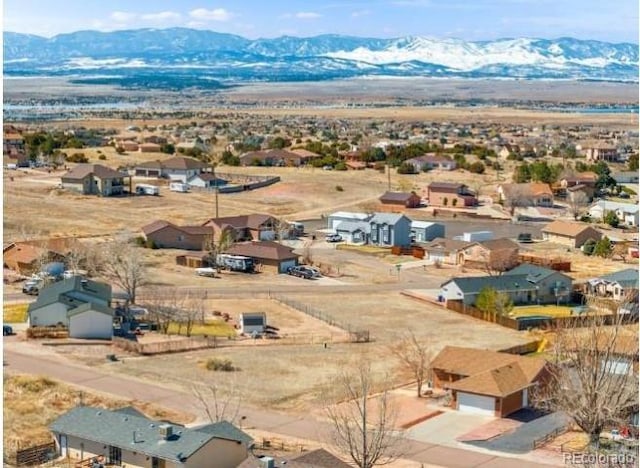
{"x": 165, "y": 431}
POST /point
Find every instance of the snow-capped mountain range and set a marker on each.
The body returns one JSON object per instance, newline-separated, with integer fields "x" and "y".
{"x": 183, "y": 52}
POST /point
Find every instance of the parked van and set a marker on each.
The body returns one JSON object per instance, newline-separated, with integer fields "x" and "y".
{"x": 178, "y": 187}
{"x": 146, "y": 189}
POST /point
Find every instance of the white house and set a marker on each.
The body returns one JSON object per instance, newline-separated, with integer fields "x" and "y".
{"x": 627, "y": 213}
{"x": 178, "y": 169}
{"x": 83, "y": 306}
{"x": 339, "y": 216}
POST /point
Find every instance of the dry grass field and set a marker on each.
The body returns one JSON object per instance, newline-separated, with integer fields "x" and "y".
{"x": 32, "y": 403}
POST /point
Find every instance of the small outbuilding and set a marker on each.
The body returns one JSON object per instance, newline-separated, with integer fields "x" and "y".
{"x": 253, "y": 322}
{"x": 406, "y": 199}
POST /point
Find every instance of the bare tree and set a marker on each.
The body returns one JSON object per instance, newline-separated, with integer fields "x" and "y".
{"x": 363, "y": 426}
{"x": 192, "y": 309}
{"x": 123, "y": 263}
{"x": 164, "y": 306}
{"x": 577, "y": 203}
{"x": 592, "y": 379}
{"x": 220, "y": 401}
{"x": 414, "y": 357}
{"x": 516, "y": 197}
{"x": 217, "y": 246}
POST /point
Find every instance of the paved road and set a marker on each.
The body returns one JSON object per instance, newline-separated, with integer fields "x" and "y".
{"x": 303, "y": 426}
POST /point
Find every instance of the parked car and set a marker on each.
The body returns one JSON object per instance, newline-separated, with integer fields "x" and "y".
{"x": 31, "y": 287}
{"x": 7, "y": 330}
{"x": 300, "y": 272}
{"x": 525, "y": 238}
{"x": 334, "y": 238}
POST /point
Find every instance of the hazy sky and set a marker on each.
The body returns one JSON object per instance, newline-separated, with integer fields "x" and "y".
{"x": 607, "y": 20}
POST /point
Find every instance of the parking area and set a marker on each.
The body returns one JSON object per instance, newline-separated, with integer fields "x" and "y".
{"x": 445, "y": 428}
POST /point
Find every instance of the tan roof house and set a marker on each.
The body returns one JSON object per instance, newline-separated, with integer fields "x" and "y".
{"x": 166, "y": 235}
{"x": 272, "y": 256}
{"x": 255, "y": 226}
{"x": 94, "y": 179}
{"x": 570, "y": 234}
{"x": 494, "y": 254}
{"x": 487, "y": 382}
{"x": 526, "y": 194}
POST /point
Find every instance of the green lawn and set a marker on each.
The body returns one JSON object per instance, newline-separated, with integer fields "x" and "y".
{"x": 549, "y": 310}
{"x": 14, "y": 313}
{"x": 213, "y": 328}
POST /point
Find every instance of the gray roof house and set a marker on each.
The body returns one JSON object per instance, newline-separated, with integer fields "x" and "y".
{"x": 389, "y": 229}
{"x": 525, "y": 284}
{"x": 129, "y": 438}
{"x": 616, "y": 285}
{"x": 425, "y": 231}
{"x": 81, "y": 305}
{"x": 354, "y": 232}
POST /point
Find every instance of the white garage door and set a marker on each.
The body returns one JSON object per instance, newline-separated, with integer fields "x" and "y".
{"x": 477, "y": 404}
{"x": 286, "y": 264}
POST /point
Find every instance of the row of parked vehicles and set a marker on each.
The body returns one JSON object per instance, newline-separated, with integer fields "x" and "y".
{"x": 50, "y": 273}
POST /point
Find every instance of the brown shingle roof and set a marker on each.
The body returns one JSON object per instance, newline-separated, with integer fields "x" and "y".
{"x": 267, "y": 250}
{"x": 251, "y": 221}
{"x": 397, "y": 196}
{"x": 445, "y": 186}
{"x": 161, "y": 224}
{"x": 175, "y": 163}
{"x": 530, "y": 189}
{"x": 488, "y": 372}
{"x": 319, "y": 458}
{"x": 440, "y": 244}
{"x": 101, "y": 172}
{"x": 22, "y": 253}
{"x": 156, "y": 226}
{"x": 499, "y": 244}
{"x": 565, "y": 228}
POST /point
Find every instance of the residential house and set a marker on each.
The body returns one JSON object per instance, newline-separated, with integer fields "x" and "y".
{"x": 272, "y": 256}
{"x": 424, "y": 231}
{"x": 627, "y": 213}
{"x": 305, "y": 155}
{"x": 405, "y": 199}
{"x": 94, "y": 179}
{"x": 525, "y": 284}
{"x": 177, "y": 168}
{"x": 617, "y": 285}
{"x": 356, "y": 165}
{"x": 166, "y": 235}
{"x": 27, "y": 259}
{"x": 254, "y": 226}
{"x": 157, "y": 139}
{"x": 128, "y": 145}
{"x": 527, "y": 194}
{"x": 12, "y": 140}
{"x": 446, "y": 251}
{"x": 432, "y": 161}
{"x": 487, "y": 382}
{"x": 354, "y": 232}
{"x": 494, "y": 254}
{"x": 318, "y": 458}
{"x": 206, "y": 180}
{"x": 569, "y": 234}
{"x": 192, "y": 145}
{"x": 626, "y": 177}
{"x": 450, "y": 194}
{"x": 81, "y": 305}
{"x": 149, "y": 148}
{"x": 601, "y": 152}
{"x": 126, "y": 437}
{"x": 339, "y": 216}
{"x": 389, "y": 229}
{"x": 581, "y": 178}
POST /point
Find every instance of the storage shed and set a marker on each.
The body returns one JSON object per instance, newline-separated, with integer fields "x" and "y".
{"x": 252, "y": 322}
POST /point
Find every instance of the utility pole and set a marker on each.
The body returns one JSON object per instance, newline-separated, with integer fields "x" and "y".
{"x": 215, "y": 182}
{"x": 388, "y": 177}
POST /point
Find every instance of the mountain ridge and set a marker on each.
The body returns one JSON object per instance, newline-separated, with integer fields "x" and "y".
{"x": 233, "y": 57}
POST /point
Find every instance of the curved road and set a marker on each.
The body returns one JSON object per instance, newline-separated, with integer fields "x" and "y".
{"x": 302, "y": 426}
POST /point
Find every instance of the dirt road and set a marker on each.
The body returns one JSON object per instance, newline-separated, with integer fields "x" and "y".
{"x": 299, "y": 426}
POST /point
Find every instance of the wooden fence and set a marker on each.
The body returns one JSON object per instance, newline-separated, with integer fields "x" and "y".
{"x": 47, "y": 332}
{"x": 537, "y": 322}
{"x": 537, "y": 443}
{"x": 169, "y": 345}
{"x": 36, "y": 455}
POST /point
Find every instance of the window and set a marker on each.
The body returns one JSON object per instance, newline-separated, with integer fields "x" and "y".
{"x": 180, "y": 238}
{"x": 374, "y": 235}
{"x": 115, "y": 455}
{"x": 385, "y": 234}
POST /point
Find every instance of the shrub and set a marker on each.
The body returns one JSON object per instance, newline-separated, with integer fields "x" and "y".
{"x": 339, "y": 188}
{"x": 102, "y": 157}
{"x": 454, "y": 202}
{"x": 477, "y": 168}
{"x": 445, "y": 201}
{"x": 77, "y": 158}
{"x": 140, "y": 241}
{"x": 223, "y": 365}
{"x": 340, "y": 166}
{"x": 150, "y": 244}
{"x": 406, "y": 168}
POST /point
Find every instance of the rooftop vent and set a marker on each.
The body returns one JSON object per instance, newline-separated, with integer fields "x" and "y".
{"x": 267, "y": 462}
{"x": 165, "y": 431}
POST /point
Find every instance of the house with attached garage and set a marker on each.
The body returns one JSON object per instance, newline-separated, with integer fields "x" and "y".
{"x": 206, "y": 180}
{"x": 255, "y": 226}
{"x": 272, "y": 256}
{"x": 176, "y": 169}
{"x": 487, "y": 382}
{"x": 81, "y": 305}
{"x": 166, "y": 235}
{"x": 450, "y": 194}
{"x": 493, "y": 254}
{"x": 126, "y": 437}
{"x": 431, "y": 161}
{"x": 447, "y": 251}
{"x": 617, "y": 285}
{"x": 382, "y": 229}
{"x": 524, "y": 284}
{"x": 627, "y": 213}
{"x": 569, "y": 234}
{"x": 425, "y": 231}
{"x": 94, "y": 179}
{"x": 526, "y": 194}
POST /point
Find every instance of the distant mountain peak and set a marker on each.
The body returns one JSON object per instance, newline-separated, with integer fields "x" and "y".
{"x": 326, "y": 56}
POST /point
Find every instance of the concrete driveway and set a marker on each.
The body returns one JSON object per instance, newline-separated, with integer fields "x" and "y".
{"x": 445, "y": 428}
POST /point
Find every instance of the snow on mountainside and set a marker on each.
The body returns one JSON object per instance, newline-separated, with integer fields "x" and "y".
{"x": 231, "y": 57}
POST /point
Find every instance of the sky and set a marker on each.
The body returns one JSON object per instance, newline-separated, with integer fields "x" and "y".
{"x": 472, "y": 20}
